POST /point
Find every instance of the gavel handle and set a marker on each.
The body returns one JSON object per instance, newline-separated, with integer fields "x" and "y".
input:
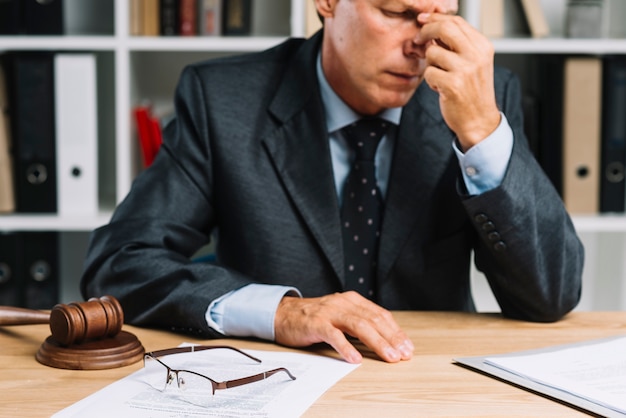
{"x": 20, "y": 316}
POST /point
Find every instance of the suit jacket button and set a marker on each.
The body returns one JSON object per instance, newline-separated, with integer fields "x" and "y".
{"x": 488, "y": 226}
{"x": 481, "y": 218}
{"x": 493, "y": 236}
{"x": 499, "y": 246}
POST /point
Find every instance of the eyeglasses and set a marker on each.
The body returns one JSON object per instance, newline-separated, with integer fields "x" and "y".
{"x": 194, "y": 387}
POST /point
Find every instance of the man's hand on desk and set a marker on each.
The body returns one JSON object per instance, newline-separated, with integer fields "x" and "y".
{"x": 301, "y": 322}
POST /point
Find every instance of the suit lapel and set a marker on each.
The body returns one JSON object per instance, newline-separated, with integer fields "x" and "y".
{"x": 422, "y": 153}
{"x": 299, "y": 150}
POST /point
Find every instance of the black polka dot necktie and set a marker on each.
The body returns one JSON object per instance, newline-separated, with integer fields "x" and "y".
{"x": 362, "y": 206}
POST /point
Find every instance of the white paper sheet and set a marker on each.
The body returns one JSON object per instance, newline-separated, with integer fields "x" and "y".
{"x": 595, "y": 372}
{"x": 277, "y": 396}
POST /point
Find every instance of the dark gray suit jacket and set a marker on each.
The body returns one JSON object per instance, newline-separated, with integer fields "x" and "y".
{"x": 248, "y": 158}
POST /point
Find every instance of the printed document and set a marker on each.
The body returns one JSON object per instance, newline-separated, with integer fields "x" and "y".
{"x": 276, "y": 396}
{"x": 595, "y": 371}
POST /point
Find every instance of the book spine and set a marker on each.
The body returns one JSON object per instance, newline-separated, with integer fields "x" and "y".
{"x": 188, "y": 20}
{"x": 135, "y": 17}
{"x": 151, "y": 18}
{"x": 237, "y": 17}
{"x": 169, "y": 17}
{"x": 210, "y": 17}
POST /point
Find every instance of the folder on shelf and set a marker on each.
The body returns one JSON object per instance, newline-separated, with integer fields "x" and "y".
{"x": 581, "y": 134}
{"x": 30, "y": 81}
{"x": 39, "y": 264}
{"x": 43, "y": 17}
{"x": 29, "y": 269}
{"x": 76, "y": 133}
{"x": 10, "y": 294}
{"x": 547, "y": 72}
{"x": 7, "y": 193}
{"x": 536, "y": 18}
{"x": 613, "y": 153}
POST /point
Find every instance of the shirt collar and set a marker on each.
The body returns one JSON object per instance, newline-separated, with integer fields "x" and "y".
{"x": 338, "y": 113}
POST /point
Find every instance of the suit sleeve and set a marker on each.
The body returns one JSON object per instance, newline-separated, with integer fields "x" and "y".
{"x": 143, "y": 256}
{"x": 527, "y": 247}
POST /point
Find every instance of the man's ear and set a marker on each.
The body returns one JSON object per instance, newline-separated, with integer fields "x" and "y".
{"x": 325, "y": 8}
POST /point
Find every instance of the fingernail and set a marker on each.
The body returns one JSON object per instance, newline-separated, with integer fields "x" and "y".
{"x": 409, "y": 344}
{"x": 407, "y": 352}
{"x": 392, "y": 354}
{"x": 354, "y": 358}
{"x": 423, "y": 17}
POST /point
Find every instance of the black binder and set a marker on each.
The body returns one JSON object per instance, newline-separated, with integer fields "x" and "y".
{"x": 40, "y": 269}
{"x": 547, "y": 75}
{"x": 30, "y": 82}
{"x": 10, "y": 17}
{"x": 10, "y": 292}
{"x": 43, "y": 17}
{"x": 613, "y": 143}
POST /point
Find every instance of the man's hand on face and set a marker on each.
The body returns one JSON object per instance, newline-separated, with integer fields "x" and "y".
{"x": 301, "y": 322}
{"x": 459, "y": 66}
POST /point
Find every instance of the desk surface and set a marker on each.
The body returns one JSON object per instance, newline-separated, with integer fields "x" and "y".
{"x": 428, "y": 385}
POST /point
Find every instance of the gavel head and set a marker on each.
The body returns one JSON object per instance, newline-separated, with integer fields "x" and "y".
{"x": 97, "y": 318}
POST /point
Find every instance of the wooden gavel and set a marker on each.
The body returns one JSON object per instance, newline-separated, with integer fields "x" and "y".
{"x": 72, "y": 323}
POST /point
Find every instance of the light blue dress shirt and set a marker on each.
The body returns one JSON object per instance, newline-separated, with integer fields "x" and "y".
{"x": 250, "y": 310}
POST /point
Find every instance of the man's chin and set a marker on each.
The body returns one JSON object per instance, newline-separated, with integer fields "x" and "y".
{"x": 398, "y": 98}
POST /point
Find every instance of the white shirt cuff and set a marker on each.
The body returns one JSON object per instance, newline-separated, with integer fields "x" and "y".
{"x": 249, "y": 311}
{"x": 484, "y": 165}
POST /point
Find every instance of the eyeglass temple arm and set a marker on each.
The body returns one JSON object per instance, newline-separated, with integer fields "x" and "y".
{"x": 251, "y": 379}
{"x": 192, "y": 348}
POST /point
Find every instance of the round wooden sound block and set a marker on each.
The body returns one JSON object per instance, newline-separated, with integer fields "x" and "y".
{"x": 107, "y": 353}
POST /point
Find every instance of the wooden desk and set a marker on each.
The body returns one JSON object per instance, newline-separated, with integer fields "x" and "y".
{"x": 429, "y": 385}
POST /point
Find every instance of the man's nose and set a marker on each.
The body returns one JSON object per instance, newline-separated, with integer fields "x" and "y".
{"x": 414, "y": 43}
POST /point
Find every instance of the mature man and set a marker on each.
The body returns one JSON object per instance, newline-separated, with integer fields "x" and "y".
{"x": 258, "y": 154}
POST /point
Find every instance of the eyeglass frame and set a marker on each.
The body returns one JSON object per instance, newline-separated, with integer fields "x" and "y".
{"x": 214, "y": 384}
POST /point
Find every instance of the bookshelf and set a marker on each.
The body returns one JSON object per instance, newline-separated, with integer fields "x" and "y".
{"x": 131, "y": 69}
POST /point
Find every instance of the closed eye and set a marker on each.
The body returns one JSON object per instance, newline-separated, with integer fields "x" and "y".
{"x": 405, "y": 14}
